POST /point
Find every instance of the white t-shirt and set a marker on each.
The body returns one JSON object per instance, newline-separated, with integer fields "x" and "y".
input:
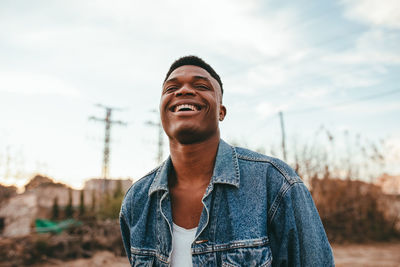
{"x": 182, "y": 240}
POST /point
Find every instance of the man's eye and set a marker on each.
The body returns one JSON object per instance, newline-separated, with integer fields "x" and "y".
{"x": 171, "y": 88}
{"x": 201, "y": 86}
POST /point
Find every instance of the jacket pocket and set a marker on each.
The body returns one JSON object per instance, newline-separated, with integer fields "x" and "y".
{"x": 247, "y": 256}
{"x": 142, "y": 260}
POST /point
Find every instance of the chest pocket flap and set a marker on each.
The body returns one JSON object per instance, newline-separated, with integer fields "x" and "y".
{"x": 260, "y": 256}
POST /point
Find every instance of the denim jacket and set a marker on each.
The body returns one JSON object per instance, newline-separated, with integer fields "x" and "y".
{"x": 257, "y": 212}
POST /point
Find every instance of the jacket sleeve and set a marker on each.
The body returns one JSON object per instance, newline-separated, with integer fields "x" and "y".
{"x": 296, "y": 234}
{"x": 125, "y": 233}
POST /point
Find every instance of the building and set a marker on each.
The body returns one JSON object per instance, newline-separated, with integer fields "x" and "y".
{"x": 102, "y": 185}
{"x": 19, "y": 211}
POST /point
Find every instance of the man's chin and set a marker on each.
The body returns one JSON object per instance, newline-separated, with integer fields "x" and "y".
{"x": 191, "y": 136}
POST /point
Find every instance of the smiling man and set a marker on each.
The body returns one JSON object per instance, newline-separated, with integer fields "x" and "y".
{"x": 211, "y": 204}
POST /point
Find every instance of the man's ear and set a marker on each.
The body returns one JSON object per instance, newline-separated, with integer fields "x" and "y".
{"x": 222, "y": 112}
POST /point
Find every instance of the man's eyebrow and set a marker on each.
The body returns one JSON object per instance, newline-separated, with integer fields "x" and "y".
{"x": 194, "y": 78}
{"x": 171, "y": 80}
{"x": 201, "y": 78}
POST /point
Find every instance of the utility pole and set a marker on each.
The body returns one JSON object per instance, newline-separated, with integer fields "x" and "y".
{"x": 160, "y": 137}
{"x": 106, "y": 152}
{"x": 283, "y": 135}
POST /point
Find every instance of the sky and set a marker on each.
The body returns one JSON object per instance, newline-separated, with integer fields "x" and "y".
{"x": 330, "y": 65}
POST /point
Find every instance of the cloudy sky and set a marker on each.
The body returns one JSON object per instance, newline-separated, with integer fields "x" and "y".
{"x": 325, "y": 65}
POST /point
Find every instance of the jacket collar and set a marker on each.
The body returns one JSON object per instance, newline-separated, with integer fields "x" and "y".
{"x": 226, "y": 169}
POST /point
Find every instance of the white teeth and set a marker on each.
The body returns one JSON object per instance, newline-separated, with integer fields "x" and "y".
{"x": 183, "y": 106}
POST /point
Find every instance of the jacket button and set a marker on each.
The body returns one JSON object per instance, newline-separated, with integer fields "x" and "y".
{"x": 200, "y": 241}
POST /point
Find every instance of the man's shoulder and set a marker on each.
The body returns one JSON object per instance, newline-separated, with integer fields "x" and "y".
{"x": 274, "y": 165}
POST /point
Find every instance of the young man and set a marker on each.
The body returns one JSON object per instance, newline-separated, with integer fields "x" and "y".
{"x": 211, "y": 204}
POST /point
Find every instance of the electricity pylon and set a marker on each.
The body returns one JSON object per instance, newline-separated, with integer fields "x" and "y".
{"x": 108, "y": 122}
{"x": 160, "y": 138}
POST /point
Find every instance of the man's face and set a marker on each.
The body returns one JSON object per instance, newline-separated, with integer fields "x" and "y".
{"x": 190, "y": 105}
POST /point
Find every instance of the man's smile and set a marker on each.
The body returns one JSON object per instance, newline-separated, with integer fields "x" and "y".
{"x": 185, "y": 107}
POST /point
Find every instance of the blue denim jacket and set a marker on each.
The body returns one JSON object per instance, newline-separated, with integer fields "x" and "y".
{"x": 257, "y": 212}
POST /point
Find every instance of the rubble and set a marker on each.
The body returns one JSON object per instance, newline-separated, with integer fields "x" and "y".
{"x": 80, "y": 242}
{"x": 17, "y": 214}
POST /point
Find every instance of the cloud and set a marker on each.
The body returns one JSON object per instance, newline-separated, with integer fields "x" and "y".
{"x": 368, "y": 64}
{"x": 313, "y": 93}
{"x": 109, "y": 42}
{"x": 368, "y": 108}
{"x": 374, "y": 12}
{"x": 263, "y": 78}
{"x": 221, "y": 26}
{"x": 344, "y": 80}
{"x": 372, "y": 47}
{"x": 35, "y": 84}
{"x": 267, "y": 109}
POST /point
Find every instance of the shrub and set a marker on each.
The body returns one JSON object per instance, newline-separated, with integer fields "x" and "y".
{"x": 349, "y": 210}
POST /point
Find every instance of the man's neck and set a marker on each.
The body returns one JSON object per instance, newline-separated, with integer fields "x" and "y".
{"x": 193, "y": 163}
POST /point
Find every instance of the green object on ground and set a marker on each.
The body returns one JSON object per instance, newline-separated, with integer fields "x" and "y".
{"x": 47, "y": 226}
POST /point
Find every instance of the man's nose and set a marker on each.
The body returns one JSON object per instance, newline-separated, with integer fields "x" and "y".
{"x": 185, "y": 90}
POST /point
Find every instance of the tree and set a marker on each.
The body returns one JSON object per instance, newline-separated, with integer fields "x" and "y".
{"x": 118, "y": 192}
{"x": 111, "y": 202}
{"x": 69, "y": 210}
{"x": 55, "y": 210}
{"x": 93, "y": 201}
{"x": 82, "y": 203}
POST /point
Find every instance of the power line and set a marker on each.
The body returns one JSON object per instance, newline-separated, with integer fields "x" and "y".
{"x": 369, "y": 97}
{"x": 336, "y": 38}
{"x": 374, "y": 96}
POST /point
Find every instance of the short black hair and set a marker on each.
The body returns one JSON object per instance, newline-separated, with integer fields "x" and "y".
{"x": 195, "y": 61}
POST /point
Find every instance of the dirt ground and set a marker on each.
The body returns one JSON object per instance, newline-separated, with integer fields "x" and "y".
{"x": 351, "y": 255}
{"x": 100, "y": 259}
{"x": 367, "y": 255}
